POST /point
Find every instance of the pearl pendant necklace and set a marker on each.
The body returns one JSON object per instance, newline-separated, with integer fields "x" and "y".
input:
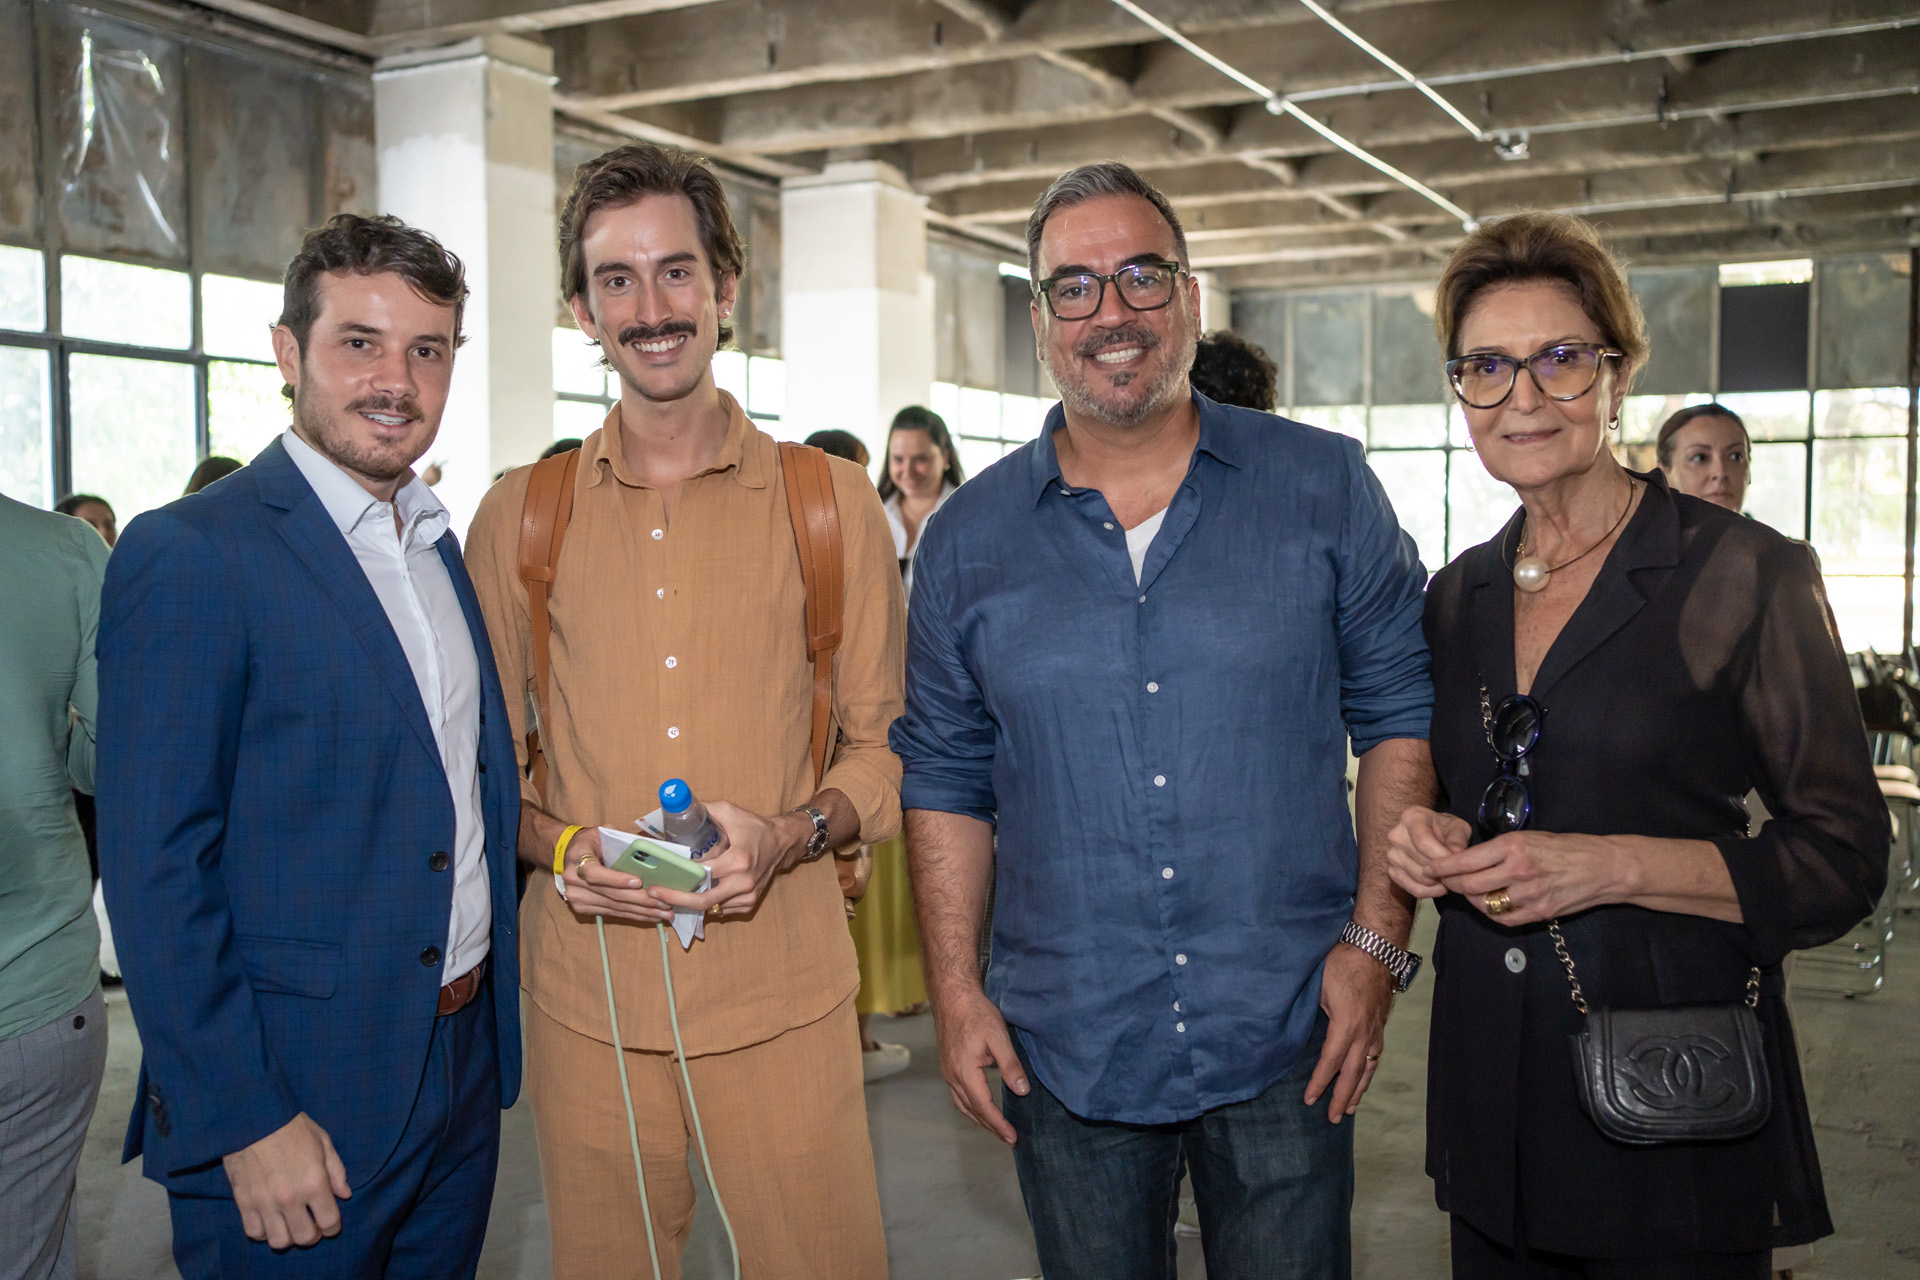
{"x": 1530, "y": 573}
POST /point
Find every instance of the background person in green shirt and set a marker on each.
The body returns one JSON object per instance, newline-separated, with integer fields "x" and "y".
{"x": 53, "y": 1024}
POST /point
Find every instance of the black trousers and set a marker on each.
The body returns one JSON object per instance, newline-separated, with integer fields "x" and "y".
{"x": 1480, "y": 1257}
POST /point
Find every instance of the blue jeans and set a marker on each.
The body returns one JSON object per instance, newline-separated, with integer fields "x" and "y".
{"x": 1272, "y": 1178}
{"x": 421, "y": 1216}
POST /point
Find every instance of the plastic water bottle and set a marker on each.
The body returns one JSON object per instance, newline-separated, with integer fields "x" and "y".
{"x": 684, "y": 820}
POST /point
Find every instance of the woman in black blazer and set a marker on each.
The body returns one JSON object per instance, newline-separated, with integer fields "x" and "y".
{"x": 1676, "y": 656}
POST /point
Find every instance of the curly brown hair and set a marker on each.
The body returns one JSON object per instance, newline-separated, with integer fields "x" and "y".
{"x": 624, "y": 175}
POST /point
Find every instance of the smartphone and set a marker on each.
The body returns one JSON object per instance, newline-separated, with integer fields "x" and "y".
{"x": 659, "y": 867}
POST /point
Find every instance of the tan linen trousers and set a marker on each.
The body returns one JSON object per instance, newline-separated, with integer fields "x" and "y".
{"x": 786, "y": 1125}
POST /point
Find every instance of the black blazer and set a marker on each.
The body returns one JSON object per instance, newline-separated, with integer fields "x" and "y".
{"x": 1701, "y": 664}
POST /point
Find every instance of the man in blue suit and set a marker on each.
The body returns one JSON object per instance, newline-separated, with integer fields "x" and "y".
{"x": 308, "y": 807}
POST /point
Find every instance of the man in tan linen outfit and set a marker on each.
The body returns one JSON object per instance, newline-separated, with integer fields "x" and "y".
{"x": 679, "y": 651}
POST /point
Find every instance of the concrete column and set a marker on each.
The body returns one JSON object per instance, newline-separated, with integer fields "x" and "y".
{"x": 465, "y": 141}
{"x": 856, "y": 325}
{"x": 1216, "y": 304}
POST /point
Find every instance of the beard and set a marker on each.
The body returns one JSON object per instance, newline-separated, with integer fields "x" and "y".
{"x": 336, "y": 443}
{"x": 1134, "y": 396}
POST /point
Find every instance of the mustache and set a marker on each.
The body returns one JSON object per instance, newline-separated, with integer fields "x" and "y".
{"x": 653, "y": 333}
{"x": 1125, "y": 336}
{"x": 402, "y": 406}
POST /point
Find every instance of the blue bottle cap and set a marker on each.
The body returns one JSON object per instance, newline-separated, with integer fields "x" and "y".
{"x": 675, "y": 796}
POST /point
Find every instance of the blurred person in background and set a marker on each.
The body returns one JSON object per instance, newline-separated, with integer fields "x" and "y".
{"x": 94, "y": 510}
{"x": 1704, "y": 451}
{"x": 884, "y": 935}
{"x": 841, "y": 444}
{"x": 922, "y": 472}
{"x": 1228, "y": 369}
{"x": 210, "y": 469}
{"x": 53, "y": 1022}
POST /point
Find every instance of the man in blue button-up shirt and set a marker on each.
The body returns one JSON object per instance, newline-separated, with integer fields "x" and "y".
{"x": 1138, "y": 648}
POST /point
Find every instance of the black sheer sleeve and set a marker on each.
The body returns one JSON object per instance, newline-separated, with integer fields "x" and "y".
{"x": 1819, "y": 866}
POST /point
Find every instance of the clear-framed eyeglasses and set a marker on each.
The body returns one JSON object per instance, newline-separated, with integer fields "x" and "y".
{"x": 1563, "y": 371}
{"x": 1143, "y": 286}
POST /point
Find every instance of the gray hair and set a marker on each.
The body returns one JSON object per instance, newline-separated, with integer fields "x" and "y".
{"x": 1089, "y": 182}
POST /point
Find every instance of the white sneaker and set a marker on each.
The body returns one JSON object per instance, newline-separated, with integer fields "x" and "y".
{"x": 887, "y": 1060}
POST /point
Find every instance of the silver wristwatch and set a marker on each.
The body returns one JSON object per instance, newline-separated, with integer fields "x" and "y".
{"x": 817, "y": 842}
{"x": 1399, "y": 962}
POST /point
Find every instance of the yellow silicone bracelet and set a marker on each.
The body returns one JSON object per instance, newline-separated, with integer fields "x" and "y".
{"x": 560, "y": 849}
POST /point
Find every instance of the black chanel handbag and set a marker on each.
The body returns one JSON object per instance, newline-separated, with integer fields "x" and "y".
{"x": 1690, "y": 1073}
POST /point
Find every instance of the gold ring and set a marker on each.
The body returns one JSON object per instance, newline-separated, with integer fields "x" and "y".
{"x": 713, "y": 912}
{"x": 1498, "y": 903}
{"x": 1373, "y": 1057}
{"x": 580, "y": 867}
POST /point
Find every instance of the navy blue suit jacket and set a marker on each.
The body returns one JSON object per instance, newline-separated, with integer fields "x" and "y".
{"x": 271, "y": 799}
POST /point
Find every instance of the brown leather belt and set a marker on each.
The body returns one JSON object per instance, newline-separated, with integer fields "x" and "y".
{"x": 459, "y": 993}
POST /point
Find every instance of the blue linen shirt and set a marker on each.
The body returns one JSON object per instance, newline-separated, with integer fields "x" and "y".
{"x": 1164, "y": 760}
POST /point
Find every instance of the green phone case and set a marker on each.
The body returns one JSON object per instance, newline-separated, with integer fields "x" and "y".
{"x": 659, "y": 867}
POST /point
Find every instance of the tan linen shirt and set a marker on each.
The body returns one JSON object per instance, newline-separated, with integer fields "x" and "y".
{"x": 679, "y": 651}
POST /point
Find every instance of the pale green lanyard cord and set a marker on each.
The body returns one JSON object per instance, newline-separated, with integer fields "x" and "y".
{"x": 626, "y": 1096}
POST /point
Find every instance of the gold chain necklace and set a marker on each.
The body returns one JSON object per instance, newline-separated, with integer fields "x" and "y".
{"x": 1530, "y": 573}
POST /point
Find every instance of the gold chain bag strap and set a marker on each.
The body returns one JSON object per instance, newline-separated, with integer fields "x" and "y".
{"x": 1649, "y": 1077}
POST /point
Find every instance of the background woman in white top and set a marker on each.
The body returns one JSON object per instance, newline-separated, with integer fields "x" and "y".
{"x": 922, "y": 469}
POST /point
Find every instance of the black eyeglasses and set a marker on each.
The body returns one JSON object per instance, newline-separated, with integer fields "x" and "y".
{"x": 1513, "y": 731}
{"x": 1563, "y": 371}
{"x": 1143, "y": 286}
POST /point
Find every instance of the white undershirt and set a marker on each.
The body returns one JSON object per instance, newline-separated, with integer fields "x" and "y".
{"x": 1140, "y": 537}
{"x": 407, "y": 574}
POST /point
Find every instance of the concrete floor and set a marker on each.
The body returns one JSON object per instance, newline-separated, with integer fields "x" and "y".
{"x": 952, "y": 1204}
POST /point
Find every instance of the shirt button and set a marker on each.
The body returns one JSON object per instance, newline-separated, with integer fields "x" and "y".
{"x": 1166, "y": 873}
{"x": 1107, "y": 525}
{"x": 660, "y": 593}
{"x": 1153, "y": 686}
{"x": 659, "y": 534}
{"x": 438, "y": 862}
{"x": 1176, "y": 1006}
{"x": 1181, "y": 958}
{"x": 673, "y": 731}
{"x": 1180, "y": 1027}
{"x": 430, "y": 957}
{"x": 1159, "y": 779}
{"x": 1143, "y": 599}
{"x": 672, "y": 662}
{"x": 1516, "y": 960}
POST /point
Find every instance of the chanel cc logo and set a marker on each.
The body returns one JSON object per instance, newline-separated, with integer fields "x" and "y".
{"x": 1673, "y": 1073}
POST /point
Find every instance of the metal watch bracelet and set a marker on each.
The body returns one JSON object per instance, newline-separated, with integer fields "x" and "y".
{"x": 1398, "y": 961}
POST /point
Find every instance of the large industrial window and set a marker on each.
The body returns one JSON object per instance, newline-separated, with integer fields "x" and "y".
{"x": 151, "y": 192}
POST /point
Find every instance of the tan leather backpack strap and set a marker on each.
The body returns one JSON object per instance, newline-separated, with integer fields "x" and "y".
{"x": 816, "y": 533}
{"x": 543, "y": 528}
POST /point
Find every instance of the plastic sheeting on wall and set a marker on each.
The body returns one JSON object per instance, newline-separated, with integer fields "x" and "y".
{"x": 1862, "y": 320}
{"x": 1679, "y": 306}
{"x": 1329, "y": 345}
{"x": 250, "y": 120}
{"x": 19, "y": 149}
{"x": 118, "y": 117}
{"x": 1407, "y": 365}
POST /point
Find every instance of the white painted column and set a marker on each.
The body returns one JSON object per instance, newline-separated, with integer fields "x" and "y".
{"x": 465, "y": 140}
{"x": 1216, "y": 304}
{"x": 856, "y": 321}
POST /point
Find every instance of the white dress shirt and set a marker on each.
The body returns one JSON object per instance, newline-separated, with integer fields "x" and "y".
{"x": 901, "y": 550}
{"x": 407, "y": 574}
